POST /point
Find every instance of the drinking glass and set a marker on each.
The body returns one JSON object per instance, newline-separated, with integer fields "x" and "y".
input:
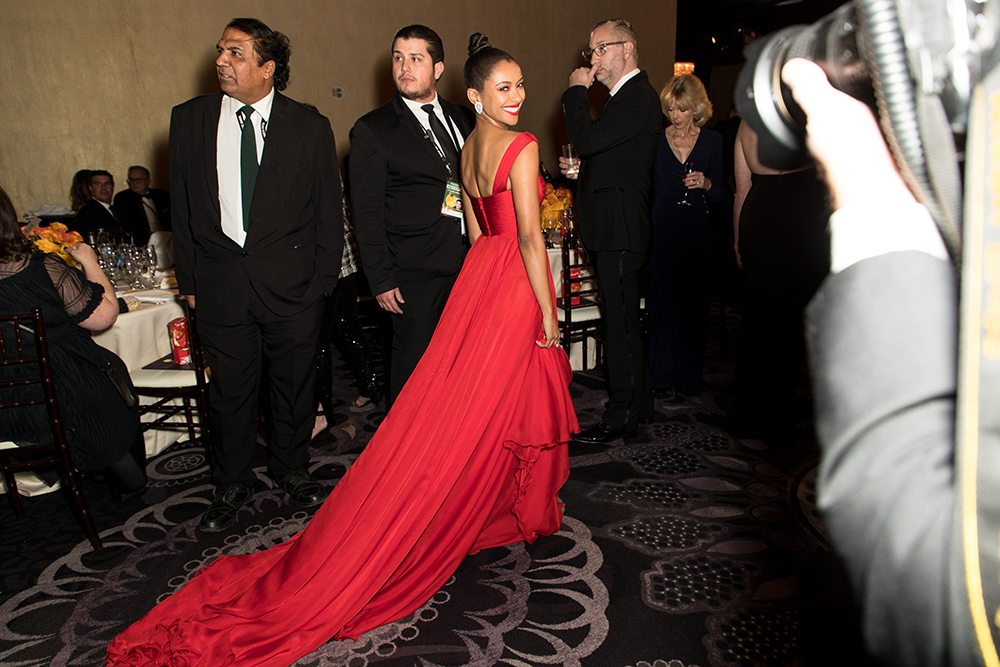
{"x": 572, "y": 158}
{"x": 688, "y": 169}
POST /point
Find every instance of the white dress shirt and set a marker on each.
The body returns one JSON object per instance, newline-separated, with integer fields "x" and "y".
{"x": 227, "y": 159}
{"x": 425, "y": 121}
{"x": 149, "y": 208}
{"x": 622, "y": 81}
{"x": 877, "y": 228}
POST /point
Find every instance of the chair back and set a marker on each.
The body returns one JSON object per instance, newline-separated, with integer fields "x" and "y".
{"x": 20, "y": 369}
{"x": 168, "y": 387}
{"x": 26, "y": 371}
{"x": 580, "y": 314}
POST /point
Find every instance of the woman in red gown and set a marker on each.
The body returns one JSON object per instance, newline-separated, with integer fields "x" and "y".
{"x": 471, "y": 456}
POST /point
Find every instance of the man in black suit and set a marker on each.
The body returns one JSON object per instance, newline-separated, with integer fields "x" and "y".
{"x": 401, "y": 163}
{"x": 617, "y": 154}
{"x": 98, "y": 213}
{"x": 258, "y": 234}
{"x": 142, "y": 209}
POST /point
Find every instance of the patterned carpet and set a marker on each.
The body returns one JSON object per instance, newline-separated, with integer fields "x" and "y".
{"x": 682, "y": 547}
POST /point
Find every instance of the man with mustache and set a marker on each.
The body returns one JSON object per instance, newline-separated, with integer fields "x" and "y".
{"x": 404, "y": 164}
{"x": 258, "y": 232}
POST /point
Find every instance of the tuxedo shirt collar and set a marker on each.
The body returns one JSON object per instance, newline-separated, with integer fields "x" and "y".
{"x": 230, "y": 105}
{"x": 622, "y": 81}
{"x": 421, "y": 116}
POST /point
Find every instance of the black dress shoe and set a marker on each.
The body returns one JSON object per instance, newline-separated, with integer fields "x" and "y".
{"x": 221, "y": 514}
{"x": 603, "y": 434}
{"x": 302, "y": 487}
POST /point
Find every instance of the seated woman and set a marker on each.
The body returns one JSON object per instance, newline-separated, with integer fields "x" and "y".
{"x": 79, "y": 190}
{"x": 102, "y": 431}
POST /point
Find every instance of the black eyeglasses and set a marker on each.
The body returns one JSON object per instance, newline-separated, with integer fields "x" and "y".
{"x": 600, "y": 50}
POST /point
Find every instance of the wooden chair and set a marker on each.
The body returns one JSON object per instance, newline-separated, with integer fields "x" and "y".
{"x": 37, "y": 370}
{"x": 579, "y": 314}
{"x": 181, "y": 396}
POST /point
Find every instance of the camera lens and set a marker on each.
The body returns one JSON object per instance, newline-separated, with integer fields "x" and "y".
{"x": 767, "y": 104}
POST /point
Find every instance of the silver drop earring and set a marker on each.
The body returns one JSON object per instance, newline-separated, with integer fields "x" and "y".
{"x": 479, "y": 107}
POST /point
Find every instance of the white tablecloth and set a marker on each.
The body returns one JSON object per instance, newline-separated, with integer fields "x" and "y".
{"x": 141, "y": 336}
{"x": 555, "y": 265}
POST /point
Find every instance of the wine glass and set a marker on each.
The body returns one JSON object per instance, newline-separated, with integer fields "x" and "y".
{"x": 688, "y": 169}
{"x": 151, "y": 256}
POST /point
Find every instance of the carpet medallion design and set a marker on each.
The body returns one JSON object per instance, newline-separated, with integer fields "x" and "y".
{"x": 682, "y": 547}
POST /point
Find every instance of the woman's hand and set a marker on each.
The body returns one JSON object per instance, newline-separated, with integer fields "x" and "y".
{"x": 550, "y": 327}
{"x": 82, "y": 252}
{"x": 697, "y": 180}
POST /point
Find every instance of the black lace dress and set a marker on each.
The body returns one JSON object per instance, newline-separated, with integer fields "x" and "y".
{"x": 99, "y": 426}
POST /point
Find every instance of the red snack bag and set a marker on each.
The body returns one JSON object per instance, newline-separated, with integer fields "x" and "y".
{"x": 575, "y": 287}
{"x": 179, "y": 344}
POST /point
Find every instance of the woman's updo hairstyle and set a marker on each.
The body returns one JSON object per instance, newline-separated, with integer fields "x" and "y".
{"x": 482, "y": 59}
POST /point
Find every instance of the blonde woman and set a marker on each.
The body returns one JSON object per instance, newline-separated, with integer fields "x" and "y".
{"x": 688, "y": 174}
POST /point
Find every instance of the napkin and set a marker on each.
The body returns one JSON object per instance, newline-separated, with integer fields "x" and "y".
{"x": 154, "y": 296}
{"x": 48, "y": 209}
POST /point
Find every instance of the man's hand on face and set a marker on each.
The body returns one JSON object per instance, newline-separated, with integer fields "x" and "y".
{"x": 582, "y": 76}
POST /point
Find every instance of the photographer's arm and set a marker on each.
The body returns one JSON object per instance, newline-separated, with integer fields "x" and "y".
{"x": 744, "y": 179}
{"x": 882, "y": 335}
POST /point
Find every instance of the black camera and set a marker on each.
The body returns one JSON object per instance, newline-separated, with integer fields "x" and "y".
{"x": 915, "y": 62}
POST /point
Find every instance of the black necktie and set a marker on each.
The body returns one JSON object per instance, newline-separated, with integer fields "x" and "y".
{"x": 444, "y": 140}
{"x": 248, "y": 162}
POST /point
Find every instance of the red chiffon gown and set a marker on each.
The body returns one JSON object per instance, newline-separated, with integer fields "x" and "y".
{"x": 471, "y": 456}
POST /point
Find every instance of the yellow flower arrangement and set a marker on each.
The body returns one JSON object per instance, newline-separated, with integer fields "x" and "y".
{"x": 55, "y": 239}
{"x": 556, "y": 201}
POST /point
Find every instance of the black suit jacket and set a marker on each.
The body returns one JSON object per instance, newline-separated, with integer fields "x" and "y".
{"x": 397, "y": 187}
{"x": 883, "y": 348}
{"x": 130, "y": 210}
{"x": 93, "y": 216}
{"x": 617, "y": 151}
{"x": 295, "y": 237}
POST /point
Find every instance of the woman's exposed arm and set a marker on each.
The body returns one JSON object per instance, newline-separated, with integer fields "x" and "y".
{"x": 524, "y": 188}
{"x": 743, "y": 182}
{"x": 107, "y": 312}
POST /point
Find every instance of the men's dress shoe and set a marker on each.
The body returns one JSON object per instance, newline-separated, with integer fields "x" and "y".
{"x": 603, "y": 434}
{"x": 302, "y": 487}
{"x": 221, "y": 514}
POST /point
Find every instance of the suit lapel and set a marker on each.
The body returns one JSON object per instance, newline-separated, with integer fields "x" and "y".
{"x": 277, "y": 128}
{"x": 409, "y": 121}
{"x": 210, "y": 148}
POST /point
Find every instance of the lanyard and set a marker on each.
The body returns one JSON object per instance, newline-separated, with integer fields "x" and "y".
{"x": 444, "y": 158}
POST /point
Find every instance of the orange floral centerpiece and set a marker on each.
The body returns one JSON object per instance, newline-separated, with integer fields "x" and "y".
{"x": 55, "y": 238}
{"x": 555, "y": 202}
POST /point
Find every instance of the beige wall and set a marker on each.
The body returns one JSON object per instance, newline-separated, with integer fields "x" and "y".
{"x": 91, "y": 84}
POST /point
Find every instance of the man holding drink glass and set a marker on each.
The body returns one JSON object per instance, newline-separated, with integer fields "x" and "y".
{"x": 616, "y": 156}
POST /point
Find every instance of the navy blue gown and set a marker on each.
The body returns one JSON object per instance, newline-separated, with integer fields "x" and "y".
{"x": 678, "y": 279}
